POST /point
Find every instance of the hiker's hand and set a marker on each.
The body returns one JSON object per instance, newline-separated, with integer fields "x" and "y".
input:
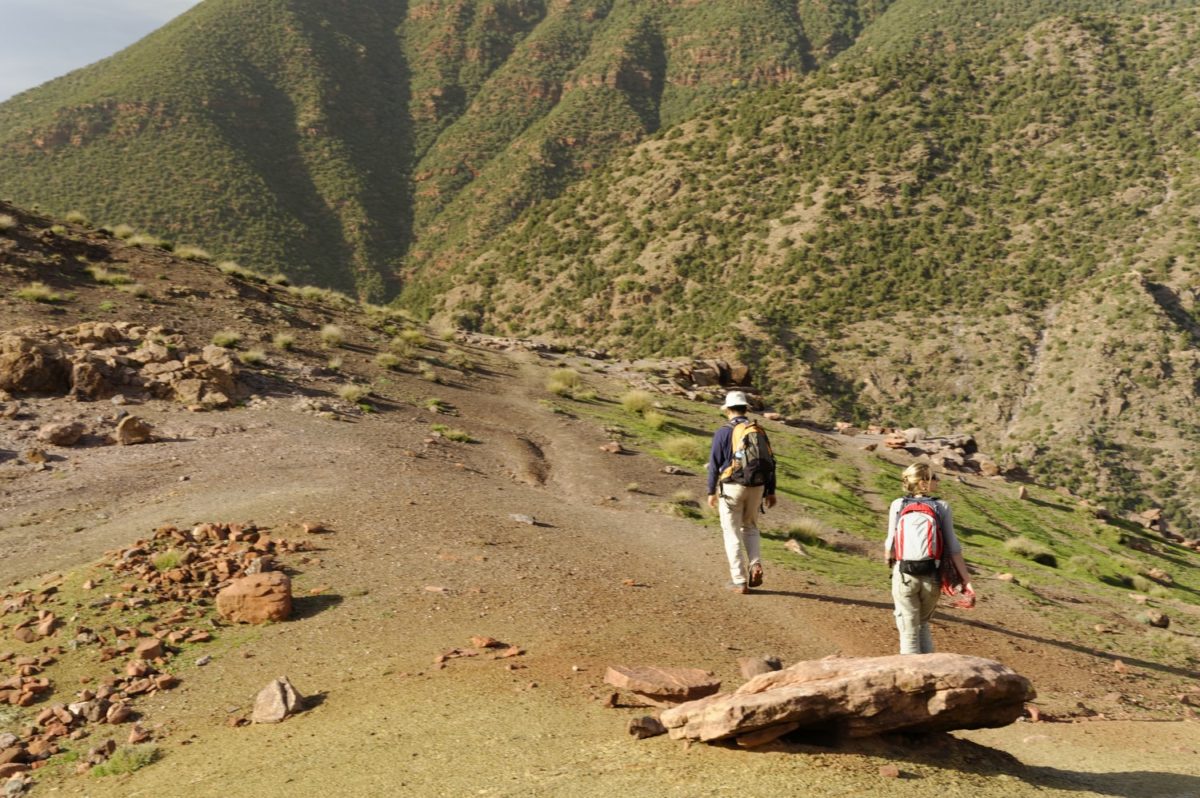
{"x": 712, "y": 500}
{"x": 770, "y": 500}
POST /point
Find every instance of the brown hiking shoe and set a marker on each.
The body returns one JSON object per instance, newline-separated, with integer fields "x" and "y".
{"x": 755, "y": 575}
{"x": 735, "y": 587}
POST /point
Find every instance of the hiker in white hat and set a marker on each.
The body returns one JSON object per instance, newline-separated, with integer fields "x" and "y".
{"x": 741, "y": 479}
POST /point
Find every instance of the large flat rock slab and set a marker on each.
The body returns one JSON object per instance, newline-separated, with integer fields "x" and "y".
{"x": 862, "y": 696}
{"x": 663, "y": 686}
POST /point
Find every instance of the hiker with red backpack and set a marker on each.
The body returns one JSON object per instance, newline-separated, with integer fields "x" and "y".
{"x": 741, "y": 479}
{"x": 925, "y": 557}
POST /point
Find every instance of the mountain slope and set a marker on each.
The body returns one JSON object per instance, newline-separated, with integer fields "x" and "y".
{"x": 323, "y": 140}
{"x": 905, "y": 236}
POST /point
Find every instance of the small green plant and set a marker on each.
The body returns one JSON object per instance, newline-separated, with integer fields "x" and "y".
{"x": 144, "y": 240}
{"x": 106, "y": 306}
{"x": 75, "y": 217}
{"x": 683, "y": 505}
{"x": 134, "y": 289}
{"x": 354, "y": 393}
{"x": 436, "y": 405}
{"x": 428, "y": 373}
{"x": 123, "y": 231}
{"x": 562, "y": 382}
{"x": 334, "y": 363}
{"x": 633, "y": 487}
{"x": 127, "y": 759}
{"x": 386, "y": 360}
{"x": 584, "y": 396}
{"x": 279, "y": 278}
{"x": 58, "y": 229}
{"x": 459, "y": 360}
{"x": 107, "y": 277}
{"x": 637, "y": 401}
{"x": 284, "y": 341}
{"x": 253, "y": 357}
{"x": 413, "y": 337}
{"x": 654, "y": 419}
{"x": 166, "y": 560}
{"x": 332, "y": 335}
{"x": 38, "y": 292}
{"x": 687, "y": 448}
{"x": 452, "y": 434}
{"x": 1024, "y": 547}
{"x": 810, "y": 531}
{"x": 227, "y": 338}
{"x": 189, "y": 252}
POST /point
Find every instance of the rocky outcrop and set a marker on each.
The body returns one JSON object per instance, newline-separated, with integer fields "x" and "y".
{"x": 860, "y": 697}
{"x": 97, "y": 360}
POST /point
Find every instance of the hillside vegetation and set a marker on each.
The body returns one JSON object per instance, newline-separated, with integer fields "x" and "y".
{"x": 1001, "y": 238}
{"x": 328, "y": 140}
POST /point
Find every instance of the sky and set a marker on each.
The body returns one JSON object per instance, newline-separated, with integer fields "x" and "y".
{"x": 43, "y": 39}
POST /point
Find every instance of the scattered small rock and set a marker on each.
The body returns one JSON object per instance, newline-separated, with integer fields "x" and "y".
{"x": 277, "y": 701}
{"x": 646, "y": 726}
{"x": 889, "y": 771}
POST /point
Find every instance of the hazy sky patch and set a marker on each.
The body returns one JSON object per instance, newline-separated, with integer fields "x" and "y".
{"x": 43, "y": 39}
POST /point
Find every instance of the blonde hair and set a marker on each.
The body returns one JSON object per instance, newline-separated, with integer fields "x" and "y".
{"x": 918, "y": 479}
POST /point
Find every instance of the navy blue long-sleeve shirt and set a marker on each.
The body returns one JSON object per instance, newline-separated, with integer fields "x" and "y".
{"x": 722, "y": 455}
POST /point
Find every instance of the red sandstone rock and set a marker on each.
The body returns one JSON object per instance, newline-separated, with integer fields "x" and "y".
{"x": 663, "y": 686}
{"x": 257, "y": 598}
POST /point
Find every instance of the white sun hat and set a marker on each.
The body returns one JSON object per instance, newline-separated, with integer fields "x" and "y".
{"x": 736, "y": 399}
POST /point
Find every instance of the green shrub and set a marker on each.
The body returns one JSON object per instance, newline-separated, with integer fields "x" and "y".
{"x": 103, "y": 275}
{"x": 654, "y": 419}
{"x": 284, "y": 341}
{"x": 166, "y": 560}
{"x": 127, "y": 759}
{"x": 189, "y": 252}
{"x": 428, "y": 373}
{"x": 687, "y": 448}
{"x": 107, "y": 306}
{"x": 809, "y": 530}
{"x": 123, "y": 231}
{"x": 386, "y": 360}
{"x": 413, "y": 337}
{"x": 1024, "y": 547}
{"x": 435, "y": 405}
{"x": 637, "y": 401}
{"x": 75, "y": 217}
{"x": 134, "y": 289}
{"x": 38, "y": 292}
{"x": 563, "y": 381}
{"x": 227, "y": 338}
{"x": 452, "y": 434}
{"x": 332, "y": 335}
{"x": 354, "y": 393}
{"x": 144, "y": 240}
{"x": 253, "y": 357}
{"x": 334, "y": 363}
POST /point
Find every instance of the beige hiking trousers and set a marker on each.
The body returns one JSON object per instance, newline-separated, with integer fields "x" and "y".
{"x": 738, "y": 506}
{"x": 916, "y": 598}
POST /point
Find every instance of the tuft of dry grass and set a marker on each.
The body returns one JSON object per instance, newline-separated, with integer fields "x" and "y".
{"x": 283, "y": 341}
{"x": 332, "y": 335}
{"x": 227, "y": 338}
{"x": 688, "y": 448}
{"x": 562, "y": 382}
{"x": 38, "y": 292}
{"x": 637, "y": 401}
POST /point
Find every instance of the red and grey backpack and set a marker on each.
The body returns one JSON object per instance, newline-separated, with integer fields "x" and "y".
{"x": 917, "y": 546}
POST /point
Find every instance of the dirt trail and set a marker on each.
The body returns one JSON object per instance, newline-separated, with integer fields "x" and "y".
{"x": 424, "y": 554}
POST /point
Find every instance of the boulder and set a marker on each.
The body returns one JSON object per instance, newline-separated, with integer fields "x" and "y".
{"x": 257, "y": 598}
{"x": 27, "y": 366}
{"x": 862, "y": 696}
{"x": 89, "y": 381}
{"x": 61, "y": 434}
{"x": 914, "y": 434}
{"x": 133, "y": 430}
{"x": 756, "y": 666}
{"x": 663, "y": 687}
{"x": 276, "y": 701}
